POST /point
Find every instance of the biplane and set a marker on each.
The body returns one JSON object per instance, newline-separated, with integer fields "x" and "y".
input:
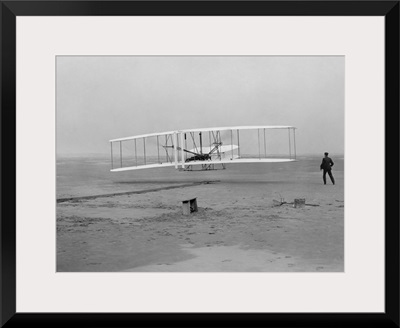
{"x": 205, "y": 149}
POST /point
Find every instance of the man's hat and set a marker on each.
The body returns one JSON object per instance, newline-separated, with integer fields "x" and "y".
{"x": 326, "y": 153}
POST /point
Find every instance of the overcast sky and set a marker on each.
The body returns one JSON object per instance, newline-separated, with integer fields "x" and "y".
{"x": 102, "y": 98}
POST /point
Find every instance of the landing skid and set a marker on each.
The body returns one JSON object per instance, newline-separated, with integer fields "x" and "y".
{"x": 204, "y": 167}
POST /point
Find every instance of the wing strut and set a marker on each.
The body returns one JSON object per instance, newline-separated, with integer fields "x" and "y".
{"x": 238, "y": 142}
{"x": 158, "y": 151}
{"x": 175, "y": 150}
{"x": 265, "y": 146}
{"x": 135, "y": 153}
{"x": 144, "y": 150}
{"x": 120, "y": 151}
{"x": 294, "y": 141}
{"x": 112, "y": 157}
{"x": 201, "y": 144}
{"x": 232, "y": 144}
{"x": 182, "y": 152}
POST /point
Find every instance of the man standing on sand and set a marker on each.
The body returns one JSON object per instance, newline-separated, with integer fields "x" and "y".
{"x": 326, "y": 165}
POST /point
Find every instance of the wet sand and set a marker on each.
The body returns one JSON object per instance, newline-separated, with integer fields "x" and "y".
{"x": 237, "y": 228}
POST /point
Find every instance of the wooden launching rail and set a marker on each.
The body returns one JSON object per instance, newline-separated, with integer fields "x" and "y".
{"x": 72, "y": 199}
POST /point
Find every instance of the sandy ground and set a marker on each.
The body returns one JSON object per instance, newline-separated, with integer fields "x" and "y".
{"x": 236, "y": 229}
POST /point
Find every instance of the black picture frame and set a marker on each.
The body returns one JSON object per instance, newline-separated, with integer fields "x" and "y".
{"x": 11, "y": 9}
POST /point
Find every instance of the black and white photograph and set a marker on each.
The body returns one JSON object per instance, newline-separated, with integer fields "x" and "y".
{"x": 200, "y": 163}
